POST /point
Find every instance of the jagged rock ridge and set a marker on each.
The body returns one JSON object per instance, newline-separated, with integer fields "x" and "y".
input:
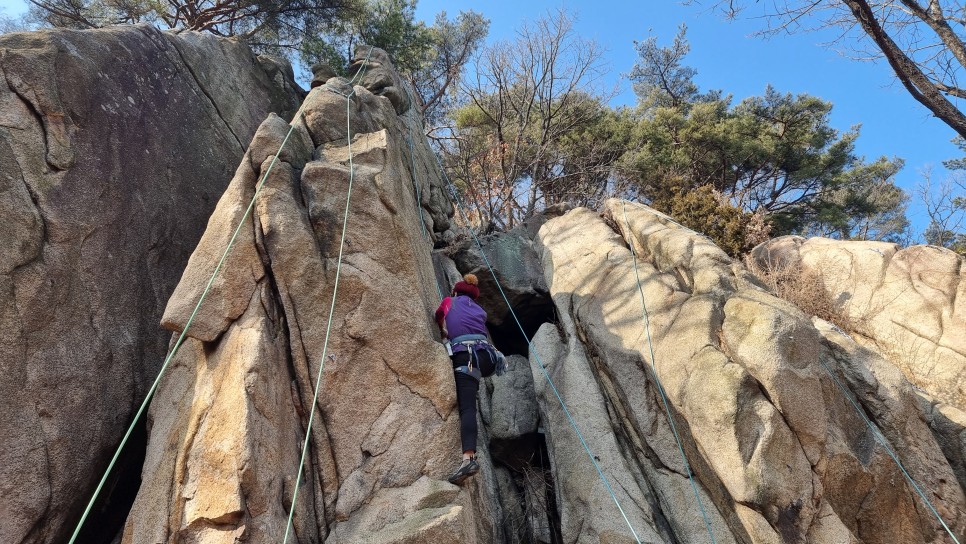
{"x": 384, "y": 439}
{"x": 778, "y": 451}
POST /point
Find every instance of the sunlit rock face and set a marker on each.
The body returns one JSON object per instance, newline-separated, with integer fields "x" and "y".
{"x": 779, "y": 452}
{"x": 229, "y": 418}
{"x": 909, "y": 305}
{"x": 760, "y": 394}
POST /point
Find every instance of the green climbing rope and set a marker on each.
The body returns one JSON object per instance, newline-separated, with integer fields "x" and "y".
{"x": 872, "y": 427}
{"x": 885, "y": 444}
{"x": 181, "y": 337}
{"x": 335, "y": 291}
{"x": 419, "y": 206}
{"x": 553, "y": 387}
{"x": 660, "y": 387}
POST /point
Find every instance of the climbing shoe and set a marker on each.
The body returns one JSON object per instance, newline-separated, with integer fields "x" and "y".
{"x": 467, "y": 469}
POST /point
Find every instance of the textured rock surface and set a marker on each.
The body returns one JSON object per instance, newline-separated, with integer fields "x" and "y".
{"x": 779, "y": 453}
{"x": 908, "y": 305}
{"x": 114, "y": 146}
{"x": 759, "y": 392}
{"x": 518, "y": 271}
{"x": 384, "y": 436}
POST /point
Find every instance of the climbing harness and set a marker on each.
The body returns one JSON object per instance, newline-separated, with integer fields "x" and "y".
{"x": 181, "y": 337}
{"x": 470, "y": 370}
{"x": 470, "y": 340}
{"x": 335, "y": 291}
{"x": 473, "y": 344}
{"x": 660, "y": 387}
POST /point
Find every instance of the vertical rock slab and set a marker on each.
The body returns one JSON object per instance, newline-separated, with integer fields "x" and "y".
{"x": 114, "y": 146}
{"x": 385, "y": 432}
{"x": 909, "y": 305}
{"x": 602, "y": 381}
{"x": 779, "y": 453}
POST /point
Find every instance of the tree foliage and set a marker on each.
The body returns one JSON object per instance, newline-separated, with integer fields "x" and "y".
{"x": 704, "y": 210}
{"x": 451, "y": 46}
{"x": 514, "y": 144}
{"x": 263, "y": 23}
{"x": 864, "y": 205}
{"x": 387, "y": 24}
{"x": 774, "y": 154}
{"x": 945, "y": 205}
{"x": 13, "y": 24}
{"x": 660, "y": 75}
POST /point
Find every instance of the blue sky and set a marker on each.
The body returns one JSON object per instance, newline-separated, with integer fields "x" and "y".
{"x": 727, "y": 57}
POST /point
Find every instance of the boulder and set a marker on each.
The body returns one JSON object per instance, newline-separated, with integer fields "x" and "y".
{"x": 372, "y": 68}
{"x": 509, "y": 275}
{"x": 517, "y": 270}
{"x": 654, "y": 357}
{"x": 114, "y": 146}
{"x": 321, "y": 72}
{"x": 906, "y": 303}
{"x": 510, "y": 409}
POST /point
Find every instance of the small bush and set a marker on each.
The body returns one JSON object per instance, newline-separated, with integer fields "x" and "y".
{"x": 706, "y": 211}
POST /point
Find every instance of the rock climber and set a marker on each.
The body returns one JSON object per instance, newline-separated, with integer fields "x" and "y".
{"x": 463, "y": 322}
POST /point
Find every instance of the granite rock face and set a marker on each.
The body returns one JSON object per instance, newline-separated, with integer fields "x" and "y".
{"x": 759, "y": 393}
{"x": 647, "y": 331}
{"x": 114, "y": 146}
{"x": 769, "y": 404}
{"x": 907, "y": 304}
{"x": 229, "y": 419}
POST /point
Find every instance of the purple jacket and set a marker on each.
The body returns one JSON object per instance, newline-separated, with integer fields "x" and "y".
{"x": 463, "y": 316}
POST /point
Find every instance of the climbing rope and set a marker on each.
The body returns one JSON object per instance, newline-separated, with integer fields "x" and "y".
{"x": 335, "y": 291}
{"x": 573, "y": 423}
{"x": 885, "y": 444}
{"x": 412, "y": 169}
{"x": 181, "y": 337}
{"x": 660, "y": 387}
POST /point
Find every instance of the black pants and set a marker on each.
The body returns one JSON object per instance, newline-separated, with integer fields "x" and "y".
{"x": 466, "y": 388}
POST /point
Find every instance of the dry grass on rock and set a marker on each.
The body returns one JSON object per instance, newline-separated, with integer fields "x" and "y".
{"x": 803, "y": 288}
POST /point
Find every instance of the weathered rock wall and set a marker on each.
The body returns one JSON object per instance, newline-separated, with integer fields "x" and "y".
{"x": 114, "y": 146}
{"x": 778, "y": 451}
{"x": 229, "y": 419}
{"x": 908, "y": 304}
